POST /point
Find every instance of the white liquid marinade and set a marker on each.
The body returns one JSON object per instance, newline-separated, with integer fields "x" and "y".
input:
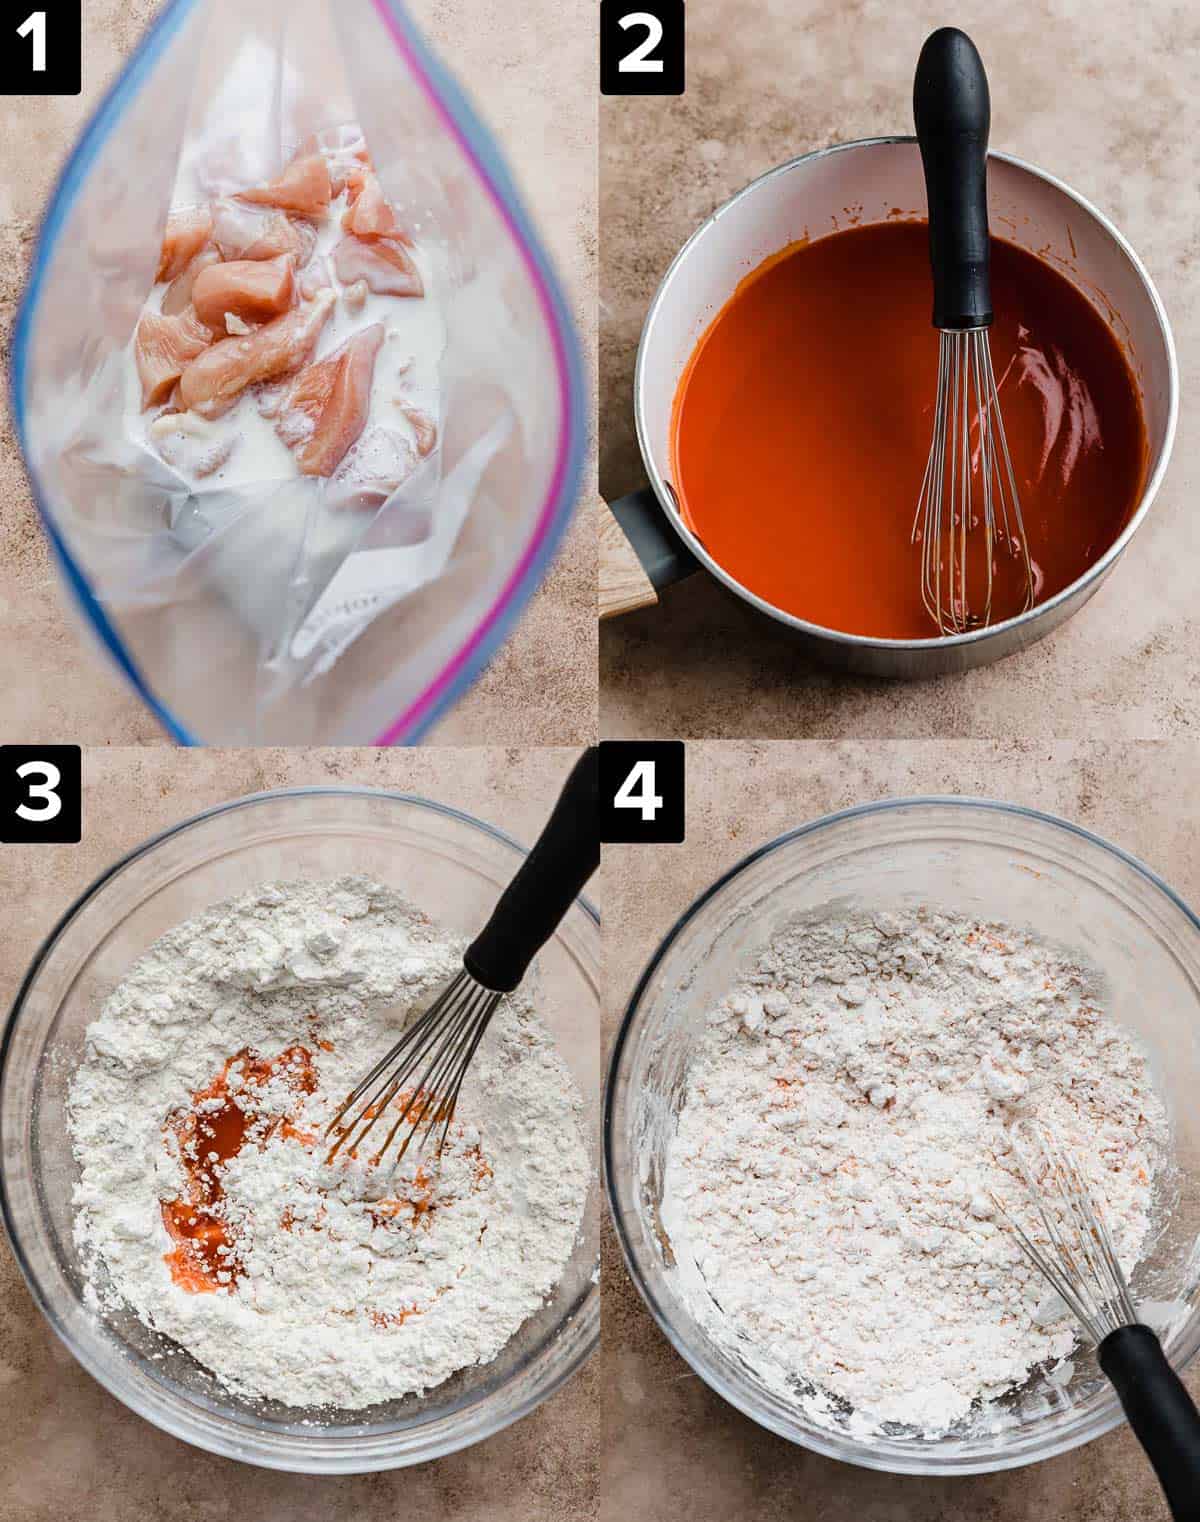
{"x": 829, "y": 1188}
{"x": 405, "y": 376}
{"x": 346, "y": 1285}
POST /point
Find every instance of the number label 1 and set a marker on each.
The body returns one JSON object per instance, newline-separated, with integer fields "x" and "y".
{"x": 34, "y": 26}
{"x": 641, "y": 47}
{"x": 41, "y": 788}
{"x": 44, "y": 53}
{"x": 641, "y": 792}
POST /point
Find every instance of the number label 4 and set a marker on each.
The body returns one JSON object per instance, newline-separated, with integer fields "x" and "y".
{"x": 629, "y": 797}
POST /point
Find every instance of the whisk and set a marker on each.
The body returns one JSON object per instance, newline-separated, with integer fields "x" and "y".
{"x": 968, "y": 512}
{"x": 1081, "y": 1266}
{"x": 416, "y": 1084}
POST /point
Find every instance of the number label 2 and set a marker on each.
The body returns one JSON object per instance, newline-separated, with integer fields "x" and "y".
{"x": 641, "y": 47}
{"x": 640, "y": 61}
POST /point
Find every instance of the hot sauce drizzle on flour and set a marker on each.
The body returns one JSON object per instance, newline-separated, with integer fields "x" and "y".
{"x": 213, "y": 1129}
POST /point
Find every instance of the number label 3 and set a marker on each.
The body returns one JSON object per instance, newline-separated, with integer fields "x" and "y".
{"x": 641, "y": 47}
{"x": 41, "y": 789}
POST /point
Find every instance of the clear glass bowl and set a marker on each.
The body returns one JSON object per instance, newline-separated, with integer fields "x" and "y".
{"x": 454, "y": 868}
{"x": 990, "y": 859}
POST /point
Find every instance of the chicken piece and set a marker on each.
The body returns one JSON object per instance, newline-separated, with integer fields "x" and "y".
{"x": 178, "y": 295}
{"x": 369, "y": 215}
{"x": 245, "y": 232}
{"x": 384, "y": 264}
{"x": 303, "y": 188}
{"x": 253, "y": 289}
{"x": 424, "y": 427}
{"x": 355, "y": 296}
{"x": 163, "y": 348}
{"x": 188, "y": 230}
{"x": 212, "y": 383}
{"x": 378, "y": 465}
{"x": 191, "y": 444}
{"x": 344, "y": 151}
{"x": 328, "y": 406}
{"x": 317, "y": 277}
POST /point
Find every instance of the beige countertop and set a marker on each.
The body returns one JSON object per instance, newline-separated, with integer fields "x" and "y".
{"x": 1106, "y": 100}
{"x": 71, "y": 1451}
{"x": 672, "y": 1447}
{"x": 524, "y": 74}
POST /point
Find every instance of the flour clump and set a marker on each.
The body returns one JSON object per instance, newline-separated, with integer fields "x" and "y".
{"x": 830, "y": 1187}
{"x": 205, "y": 1202}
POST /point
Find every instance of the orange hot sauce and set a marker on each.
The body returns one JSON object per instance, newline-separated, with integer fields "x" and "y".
{"x": 210, "y": 1131}
{"x": 802, "y": 423}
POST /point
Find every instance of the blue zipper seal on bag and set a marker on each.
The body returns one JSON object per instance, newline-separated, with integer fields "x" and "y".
{"x": 79, "y": 163}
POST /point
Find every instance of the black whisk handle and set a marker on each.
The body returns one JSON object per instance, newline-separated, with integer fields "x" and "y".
{"x": 953, "y": 114}
{"x": 1160, "y": 1411}
{"x": 546, "y": 885}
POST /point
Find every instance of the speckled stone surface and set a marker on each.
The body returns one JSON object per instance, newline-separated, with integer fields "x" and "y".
{"x": 672, "y": 1447}
{"x": 523, "y": 72}
{"x": 70, "y": 1451}
{"x": 1106, "y": 100}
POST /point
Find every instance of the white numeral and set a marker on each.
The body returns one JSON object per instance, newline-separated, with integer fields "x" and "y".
{"x": 647, "y": 800}
{"x": 43, "y": 791}
{"x": 35, "y": 25}
{"x": 637, "y": 62}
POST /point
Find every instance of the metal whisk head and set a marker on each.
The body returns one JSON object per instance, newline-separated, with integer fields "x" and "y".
{"x": 439, "y": 1046}
{"x": 1080, "y": 1263}
{"x": 968, "y": 522}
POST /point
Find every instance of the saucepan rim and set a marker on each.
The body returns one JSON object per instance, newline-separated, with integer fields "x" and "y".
{"x": 1041, "y": 612}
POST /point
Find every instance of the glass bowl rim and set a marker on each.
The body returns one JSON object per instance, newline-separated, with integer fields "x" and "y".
{"x": 849, "y": 1450}
{"x": 200, "y": 1436}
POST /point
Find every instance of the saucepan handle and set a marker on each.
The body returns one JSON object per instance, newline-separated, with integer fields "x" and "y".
{"x": 640, "y": 553}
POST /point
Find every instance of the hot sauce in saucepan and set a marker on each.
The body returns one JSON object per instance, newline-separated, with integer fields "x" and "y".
{"x": 802, "y": 424}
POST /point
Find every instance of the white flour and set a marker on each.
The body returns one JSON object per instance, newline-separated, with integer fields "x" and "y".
{"x": 340, "y": 1288}
{"x": 827, "y": 1190}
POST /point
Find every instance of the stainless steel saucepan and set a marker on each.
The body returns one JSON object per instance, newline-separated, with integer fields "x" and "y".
{"x": 646, "y": 544}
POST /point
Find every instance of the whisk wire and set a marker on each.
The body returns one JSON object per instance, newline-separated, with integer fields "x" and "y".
{"x": 968, "y": 493}
{"x": 444, "y": 1039}
{"x": 436, "y": 1097}
{"x": 415, "y": 1041}
{"x": 1081, "y": 1265}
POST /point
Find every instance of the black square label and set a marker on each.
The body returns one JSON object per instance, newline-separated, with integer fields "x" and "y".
{"x": 41, "y": 47}
{"x": 641, "y": 792}
{"x": 41, "y": 794}
{"x": 641, "y": 47}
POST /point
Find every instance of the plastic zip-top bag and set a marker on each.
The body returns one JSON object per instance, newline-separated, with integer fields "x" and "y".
{"x": 297, "y": 390}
